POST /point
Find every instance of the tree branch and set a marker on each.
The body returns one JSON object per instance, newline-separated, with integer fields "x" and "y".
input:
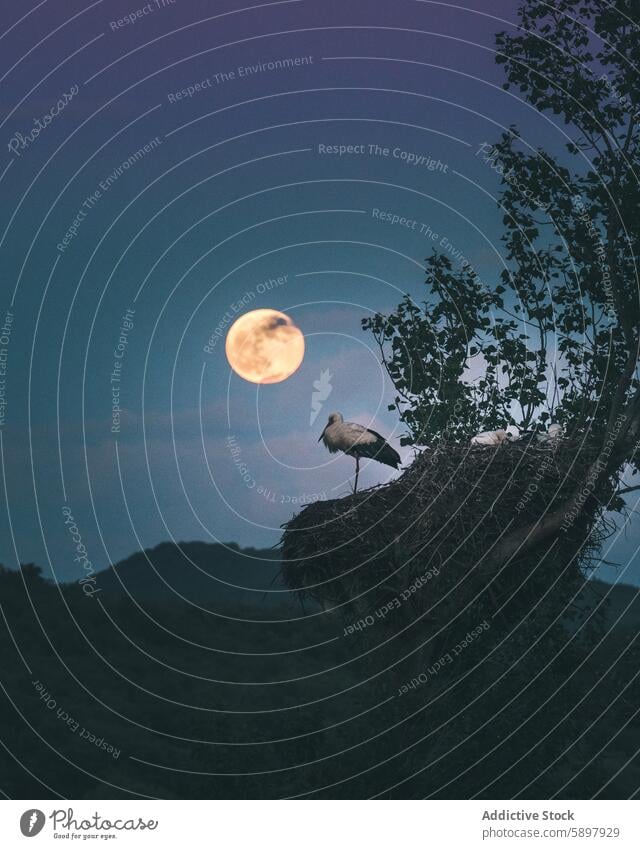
{"x": 627, "y": 490}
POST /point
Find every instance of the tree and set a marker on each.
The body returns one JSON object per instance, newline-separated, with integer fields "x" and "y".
{"x": 556, "y": 337}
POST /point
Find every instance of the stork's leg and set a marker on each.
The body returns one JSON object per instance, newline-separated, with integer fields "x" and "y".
{"x": 355, "y": 483}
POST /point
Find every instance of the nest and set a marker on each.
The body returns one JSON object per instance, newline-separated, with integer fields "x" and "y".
{"x": 423, "y": 539}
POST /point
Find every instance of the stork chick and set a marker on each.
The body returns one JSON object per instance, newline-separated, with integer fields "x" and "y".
{"x": 553, "y": 433}
{"x": 491, "y": 437}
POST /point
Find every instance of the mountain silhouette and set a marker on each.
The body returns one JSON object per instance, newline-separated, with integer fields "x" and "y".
{"x": 200, "y": 572}
{"x": 227, "y": 575}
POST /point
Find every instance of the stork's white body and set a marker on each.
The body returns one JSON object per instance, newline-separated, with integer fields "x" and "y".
{"x": 357, "y": 441}
{"x": 490, "y": 438}
{"x": 348, "y": 437}
{"x": 554, "y": 432}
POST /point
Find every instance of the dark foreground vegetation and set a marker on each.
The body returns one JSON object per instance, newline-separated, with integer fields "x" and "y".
{"x": 107, "y": 697}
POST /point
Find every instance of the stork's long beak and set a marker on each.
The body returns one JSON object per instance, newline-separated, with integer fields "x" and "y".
{"x": 321, "y": 435}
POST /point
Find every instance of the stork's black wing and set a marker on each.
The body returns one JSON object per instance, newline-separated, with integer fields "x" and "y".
{"x": 378, "y": 449}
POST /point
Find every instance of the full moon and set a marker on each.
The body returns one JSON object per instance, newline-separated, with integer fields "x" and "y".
{"x": 264, "y": 346}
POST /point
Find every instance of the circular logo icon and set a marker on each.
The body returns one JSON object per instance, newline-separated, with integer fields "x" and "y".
{"x": 32, "y": 822}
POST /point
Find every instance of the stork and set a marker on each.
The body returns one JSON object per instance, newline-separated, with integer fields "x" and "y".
{"x": 554, "y": 432}
{"x": 491, "y": 437}
{"x": 357, "y": 441}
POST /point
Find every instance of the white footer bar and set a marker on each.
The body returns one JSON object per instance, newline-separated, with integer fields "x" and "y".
{"x": 320, "y": 824}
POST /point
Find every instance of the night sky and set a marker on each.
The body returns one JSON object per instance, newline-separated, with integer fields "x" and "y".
{"x": 200, "y": 160}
